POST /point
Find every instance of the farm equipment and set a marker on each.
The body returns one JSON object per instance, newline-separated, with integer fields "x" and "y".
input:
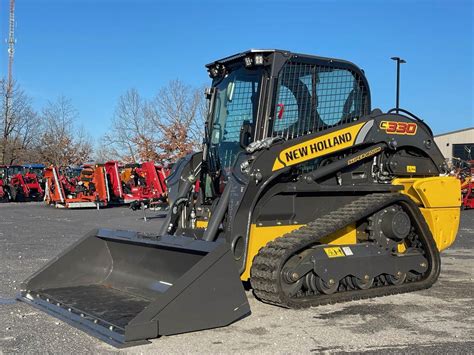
{"x": 466, "y": 176}
{"x": 304, "y": 191}
{"x": 102, "y": 185}
{"x": 23, "y": 185}
{"x": 4, "y": 194}
{"x": 71, "y": 173}
{"x": 114, "y": 182}
{"x": 89, "y": 190}
{"x": 144, "y": 184}
{"x": 38, "y": 170}
{"x": 58, "y": 187}
{"x": 138, "y": 183}
{"x": 60, "y": 184}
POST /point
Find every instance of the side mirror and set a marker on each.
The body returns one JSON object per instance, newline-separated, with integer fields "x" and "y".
{"x": 245, "y": 134}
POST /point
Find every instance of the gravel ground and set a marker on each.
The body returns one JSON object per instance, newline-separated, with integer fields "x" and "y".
{"x": 437, "y": 320}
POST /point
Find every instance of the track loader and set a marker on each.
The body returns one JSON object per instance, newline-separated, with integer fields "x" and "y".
{"x": 306, "y": 194}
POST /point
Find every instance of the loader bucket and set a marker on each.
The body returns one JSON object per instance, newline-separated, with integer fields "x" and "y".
{"x": 124, "y": 287}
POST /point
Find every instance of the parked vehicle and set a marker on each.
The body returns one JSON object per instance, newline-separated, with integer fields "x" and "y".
{"x": 22, "y": 184}
{"x": 307, "y": 195}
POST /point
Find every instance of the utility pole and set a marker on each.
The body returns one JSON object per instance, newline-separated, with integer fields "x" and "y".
{"x": 9, "y": 88}
{"x": 399, "y": 61}
{"x": 11, "y": 44}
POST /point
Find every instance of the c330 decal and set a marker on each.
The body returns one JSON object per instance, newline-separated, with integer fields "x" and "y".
{"x": 394, "y": 127}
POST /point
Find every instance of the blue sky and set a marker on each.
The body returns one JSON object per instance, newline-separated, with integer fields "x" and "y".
{"x": 92, "y": 51}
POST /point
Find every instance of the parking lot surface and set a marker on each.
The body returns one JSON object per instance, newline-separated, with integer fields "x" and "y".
{"x": 437, "y": 320}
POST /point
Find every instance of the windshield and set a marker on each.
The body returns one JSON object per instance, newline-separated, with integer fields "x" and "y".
{"x": 13, "y": 170}
{"x": 37, "y": 171}
{"x": 235, "y": 104}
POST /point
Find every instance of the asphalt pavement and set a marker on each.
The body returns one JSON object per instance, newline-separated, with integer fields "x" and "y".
{"x": 439, "y": 320}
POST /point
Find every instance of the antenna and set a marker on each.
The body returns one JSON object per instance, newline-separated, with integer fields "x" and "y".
{"x": 11, "y": 46}
{"x": 9, "y": 88}
{"x": 399, "y": 61}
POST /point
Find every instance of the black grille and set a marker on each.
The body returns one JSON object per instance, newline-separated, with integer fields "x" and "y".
{"x": 312, "y": 98}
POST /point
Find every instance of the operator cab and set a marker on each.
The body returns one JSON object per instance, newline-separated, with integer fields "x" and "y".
{"x": 274, "y": 93}
{"x": 13, "y": 170}
{"x": 37, "y": 169}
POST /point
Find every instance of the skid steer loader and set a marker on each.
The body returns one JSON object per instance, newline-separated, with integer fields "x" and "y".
{"x": 304, "y": 191}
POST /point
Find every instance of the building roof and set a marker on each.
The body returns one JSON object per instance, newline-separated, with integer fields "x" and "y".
{"x": 452, "y": 132}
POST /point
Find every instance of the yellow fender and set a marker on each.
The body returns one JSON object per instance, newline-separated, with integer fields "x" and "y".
{"x": 440, "y": 200}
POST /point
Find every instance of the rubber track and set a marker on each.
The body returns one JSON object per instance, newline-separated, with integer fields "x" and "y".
{"x": 265, "y": 274}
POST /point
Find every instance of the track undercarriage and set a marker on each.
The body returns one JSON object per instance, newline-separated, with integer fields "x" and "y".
{"x": 297, "y": 271}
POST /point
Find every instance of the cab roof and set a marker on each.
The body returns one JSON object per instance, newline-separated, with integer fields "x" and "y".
{"x": 285, "y": 53}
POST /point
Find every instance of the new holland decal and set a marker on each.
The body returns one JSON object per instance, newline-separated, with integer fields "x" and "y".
{"x": 316, "y": 147}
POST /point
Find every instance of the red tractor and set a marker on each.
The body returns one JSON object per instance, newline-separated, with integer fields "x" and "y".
{"x": 4, "y": 193}
{"x": 22, "y": 185}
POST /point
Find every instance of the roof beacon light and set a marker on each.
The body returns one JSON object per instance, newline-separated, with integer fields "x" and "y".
{"x": 213, "y": 72}
{"x": 248, "y": 61}
{"x": 258, "y": 59}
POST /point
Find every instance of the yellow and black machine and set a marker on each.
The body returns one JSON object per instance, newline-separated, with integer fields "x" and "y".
{"x": 306, "y": 195}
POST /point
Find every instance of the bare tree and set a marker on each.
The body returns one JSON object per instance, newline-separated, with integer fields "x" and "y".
{"x": 177, "y": 113}
{"x": 61, "y": 142}
{"x": 103, "y": 152}
{"x": 165, "y": 128}
{"x": 20, "y": 124}
{"x": 131, "y": 137}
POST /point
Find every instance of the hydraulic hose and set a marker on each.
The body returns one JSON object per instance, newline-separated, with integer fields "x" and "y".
{"x": 175, "y": 211}
{"x": 210, "y": 234}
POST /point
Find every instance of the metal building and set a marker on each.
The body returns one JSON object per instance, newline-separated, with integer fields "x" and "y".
{"x": 457, "y": 144}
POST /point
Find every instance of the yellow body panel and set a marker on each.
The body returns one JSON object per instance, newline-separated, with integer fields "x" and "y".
{"x": 346, "y": 235}
{"x": 439, "y": 199}
{"x": 260, "y": 236}
{"x": 443, "y": 223}
{"x": 439, "y": 192}
{"x": 432, "y": 192}
{"x": 408, "y": 189}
